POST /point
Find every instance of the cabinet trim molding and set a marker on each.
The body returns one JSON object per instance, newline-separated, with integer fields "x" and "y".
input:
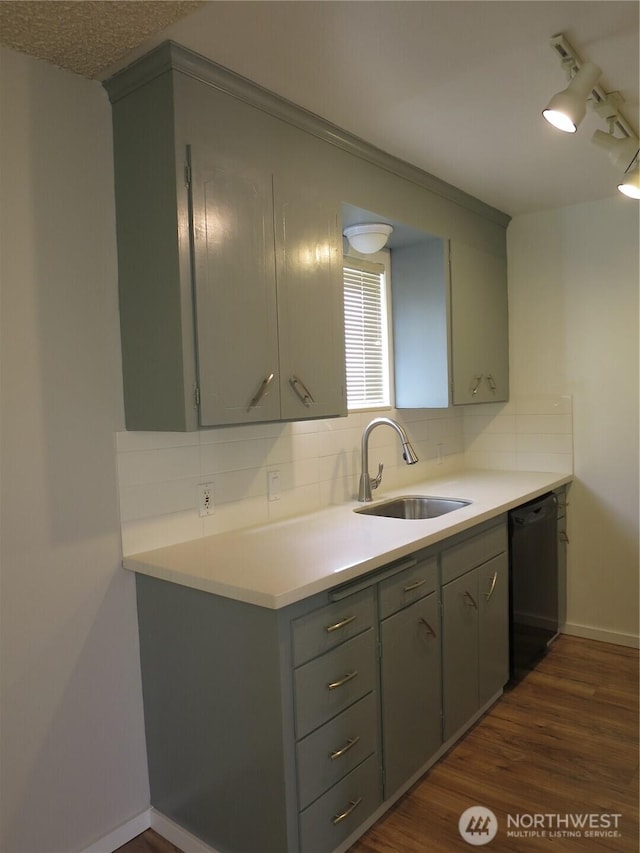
{"x": 171, "y": 56}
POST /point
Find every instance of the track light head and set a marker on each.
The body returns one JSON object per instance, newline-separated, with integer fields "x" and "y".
{"x": 622, "y": 151}
{"x": 630, "y": 184}
{"x": 567, "y": 108}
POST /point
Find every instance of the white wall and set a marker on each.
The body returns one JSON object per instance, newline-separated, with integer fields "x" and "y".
{"x": 573, "y": 303}
{"x": 72, "y": 762}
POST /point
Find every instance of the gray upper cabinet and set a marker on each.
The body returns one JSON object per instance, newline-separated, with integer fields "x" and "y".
{"x": 479, "y": 325}
{"x": 450, "y": 324}
{"x": 229, "y": 266}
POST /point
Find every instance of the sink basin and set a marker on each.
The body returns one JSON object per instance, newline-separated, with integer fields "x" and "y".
{"x": 413, "y": 506}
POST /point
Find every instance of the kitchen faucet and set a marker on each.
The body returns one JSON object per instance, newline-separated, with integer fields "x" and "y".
{"x": 408, "y": 454}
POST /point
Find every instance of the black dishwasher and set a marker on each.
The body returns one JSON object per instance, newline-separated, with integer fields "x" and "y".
{"x": 533, "y": 582}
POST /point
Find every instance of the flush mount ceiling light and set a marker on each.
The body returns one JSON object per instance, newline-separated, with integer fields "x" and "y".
{"x": 369, "y": 237}
{"x": 567, "y": 109}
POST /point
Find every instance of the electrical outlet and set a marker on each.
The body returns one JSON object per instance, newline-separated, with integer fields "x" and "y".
{"x": 205, "y": 499}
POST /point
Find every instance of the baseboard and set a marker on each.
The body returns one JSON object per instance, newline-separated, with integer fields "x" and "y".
{"x": 174, "y": 833}
{"x": 110, "y": 842}
{"x": 602, "y": 636}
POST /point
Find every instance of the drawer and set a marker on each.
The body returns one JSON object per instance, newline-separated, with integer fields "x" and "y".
{"x": 318, "y": 632}
{"x": 408, "y": 586}
{"x": 473, "y": 551}
{"x": 329, "y": 684}
{"x": 333, "y": 750}
{"x": 327, "y": 822}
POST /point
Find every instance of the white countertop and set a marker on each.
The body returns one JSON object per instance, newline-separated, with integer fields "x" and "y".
{"x": 277, "y": 564}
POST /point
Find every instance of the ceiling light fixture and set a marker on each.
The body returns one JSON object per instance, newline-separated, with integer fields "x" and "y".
{"x": 630, "y": 184}
{"x": 567, "y": 109}
{"x": 369, "y": 237}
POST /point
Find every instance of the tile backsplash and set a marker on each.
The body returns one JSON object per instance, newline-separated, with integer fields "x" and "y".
{"x": 319, "y": 463}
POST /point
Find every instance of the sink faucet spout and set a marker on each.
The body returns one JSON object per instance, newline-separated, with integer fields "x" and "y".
{"x": 408, "y": 454}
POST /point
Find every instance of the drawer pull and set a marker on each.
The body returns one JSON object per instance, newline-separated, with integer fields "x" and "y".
{"x": 471, "y": 600}
{"x": 333, "y": 684}
{"x": 430, "y": 630}
{"x": 339, "y": 752}
{"x": 488, "y": 595}
{"x": 345, "y": 814}
{"x": 341, "y": 624}
{"x": 413, "y": 586}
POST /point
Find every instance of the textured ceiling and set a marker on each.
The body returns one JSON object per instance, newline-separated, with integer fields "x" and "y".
{"x": 85, "y": 36}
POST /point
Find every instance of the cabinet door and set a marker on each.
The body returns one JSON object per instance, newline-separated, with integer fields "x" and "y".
{"x": 493, "y": 627}
{"x": 479, "y": 326}
{"x": 236, "y": 317}
{"x": 310, "y": 303}
{"x": 459, "y": 651}
{"x": 411, "y": 690}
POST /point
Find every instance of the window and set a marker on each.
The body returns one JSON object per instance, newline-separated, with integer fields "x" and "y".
{"x": 367, "y": 333}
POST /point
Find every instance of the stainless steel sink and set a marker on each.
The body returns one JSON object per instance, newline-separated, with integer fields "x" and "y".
{"x": 413, "y": 506}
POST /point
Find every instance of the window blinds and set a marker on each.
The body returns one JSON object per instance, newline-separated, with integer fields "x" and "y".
{"x": 365, "y": 316}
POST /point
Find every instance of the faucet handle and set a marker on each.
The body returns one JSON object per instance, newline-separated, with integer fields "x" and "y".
{"x": 378, "y": 479}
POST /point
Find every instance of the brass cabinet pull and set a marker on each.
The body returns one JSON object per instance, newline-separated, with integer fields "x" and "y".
{"x": 424, "y": 622}
{"x": 260, "y": 393}
{"x": 476, "y": 384}
{"x": 341, "y": 624}
{"x": 471, "y": 599}
{"x": 302, "y": 391}
{"x": 348, "y": 745}
{"x": 345, "y": 814}
{"x": 333, "y": 684}
{"x": 413, "y": 586}
{"x": 488, "y": 595}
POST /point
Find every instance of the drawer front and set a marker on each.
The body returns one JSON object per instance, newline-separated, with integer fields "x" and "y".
{"x": 339, "y": 812}
{"x": 329, "y": 753}
{"x": 329, "y": 684}
{"x": 322, "y": 630}
{"x": 408, "y": 586}
{"x": 473, "y": 552}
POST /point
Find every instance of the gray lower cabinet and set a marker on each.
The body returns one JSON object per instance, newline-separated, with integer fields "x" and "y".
{"x": 475, "y": 626}
{"x": 283, "y": 731}
{"x": 411, "y": 690}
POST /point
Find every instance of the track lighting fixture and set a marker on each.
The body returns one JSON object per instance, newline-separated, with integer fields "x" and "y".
{"x": 630, "y": 184}
{"x": 369, "y": 237}
{"x": 567, "y": 109}
{"x": 622, "y": 150}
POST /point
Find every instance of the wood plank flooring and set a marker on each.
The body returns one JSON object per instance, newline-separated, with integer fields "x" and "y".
{"x": 562, "y": 742}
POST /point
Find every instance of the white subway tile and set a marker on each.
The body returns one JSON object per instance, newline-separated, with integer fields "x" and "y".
{"x": 539, "y": 424}
{"x": 149, "y": 533}
{"x": 156, "y": 499}
{"x": 232, "y": 456}
{"x": 233, "y": 516}
{"x": 156, "y": 466}
{"x": 544, "y": 443}
{"x": 130, "y": 441}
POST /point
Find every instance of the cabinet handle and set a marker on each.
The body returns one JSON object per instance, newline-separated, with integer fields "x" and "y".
{"x": 476, "y": 384}
{"x": 260, "y": 393}
{"x": 471, "y": 599}
{"x": 424, "y": 622}
{"x": 333, "y": 684}
{"x": 488, "y": 595}
{"x": 348, "y": 745}
{"x": 341, "y": 624}
{"x": 345, "y": 814}
{"x": 491, "y": 382}
{"x": 302, "y": 391}
{"x": 413, "y": 586}
{"x": 563, "y": 536}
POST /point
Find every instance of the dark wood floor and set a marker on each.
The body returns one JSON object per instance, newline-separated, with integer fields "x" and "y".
{"x": 563, "y": 742}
